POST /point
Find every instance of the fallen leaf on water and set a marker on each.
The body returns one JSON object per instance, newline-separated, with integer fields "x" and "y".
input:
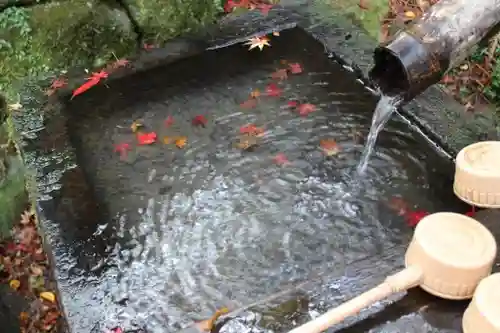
{"x": 471, "y": 212}
{"x": 15, "y": 284}
{"x": 295, "y": 68}
{"x": 329, "y": 147}
{"x": 281, "y": 159}
{"x": 258, "y": 42}
{"x": 246, "y": 141}
{"x": 181, "y": 141}
{"x": 409, "y": 14}
{"x": 292, "y": 104}
{"x": 280, "y": 74}
{"x": 249, "y": 103}
{"x": 413, "y": 218}
{"x": 169, "y": 121}
{"x": 135, "y": 126}
{"x": 199, "y": 120}
{"x": 208, "y": 325}
{"x": 48, "y": 296}
{"x": 167, "y": 140}
{"x": 122, "y": 149}
{"x": 273, "y": 90}
{"x": 146, "y": 138}
{"x": 306, "y": 108}
{"x": 255, "y": 93}
{"x": 251, "y": 129}
{"x": 84, "y": 87}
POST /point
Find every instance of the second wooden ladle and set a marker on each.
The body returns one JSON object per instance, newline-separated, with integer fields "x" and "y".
{"x": 448, "y": 256}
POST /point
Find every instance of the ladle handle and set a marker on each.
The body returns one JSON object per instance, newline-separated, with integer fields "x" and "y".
{"x": 401, "y": 281}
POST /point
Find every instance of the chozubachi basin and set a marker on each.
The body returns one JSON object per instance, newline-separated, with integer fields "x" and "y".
{"x": 154, "y": 236}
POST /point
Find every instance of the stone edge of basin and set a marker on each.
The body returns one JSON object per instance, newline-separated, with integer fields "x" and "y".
{"x": 434, "y": 111}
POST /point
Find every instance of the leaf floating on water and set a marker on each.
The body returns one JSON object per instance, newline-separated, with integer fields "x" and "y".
{"x": 281, "y": 159}
{"x": 255, "y": 93}
{"x": 306, "y": 108}
{"x": 146, "y": 138}
{"x": 199, "y": 120}
{"x": 122, "y": 149}
{"x": 295, "y": 68}
{"x": 180, "y": 142}
{"x": 273, "y": 90}
{"x": 247, "y": 141}
{"x": 258, "y": 42}
{"x": 251, "y": 129}
{"x": 169, "y": 121}
{"x": 48, "y": 296}
{"x": 208, "y": 325}
{"x": 15, "y": 284}
{"x": 249, "y": 104}
{"x": 167, "y": 140}
{"x": 280, "y": 74}
{"x": 135, "y": 126}
{"x": 329, "y": 147}
{"x": 292, "y": 104}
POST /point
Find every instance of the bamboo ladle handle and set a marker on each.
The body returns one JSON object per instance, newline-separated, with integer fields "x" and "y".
{"x": 401, "y": 281}
{"x": 448, "y": 256}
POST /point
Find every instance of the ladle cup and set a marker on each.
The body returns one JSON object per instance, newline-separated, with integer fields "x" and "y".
{"x": 448, "y": 256}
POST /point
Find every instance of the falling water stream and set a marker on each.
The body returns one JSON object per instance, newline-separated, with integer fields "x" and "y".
{"x": 383, "y": 111}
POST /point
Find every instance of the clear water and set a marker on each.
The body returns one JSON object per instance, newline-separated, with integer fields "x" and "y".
{"x": 166, "y": 236}
{"x": 386, "y": 106}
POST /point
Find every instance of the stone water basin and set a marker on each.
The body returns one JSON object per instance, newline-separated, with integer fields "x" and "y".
{"x": 163, "y": 236}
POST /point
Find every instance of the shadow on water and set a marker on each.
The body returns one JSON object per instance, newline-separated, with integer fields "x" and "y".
{"x": 166, "y": 235}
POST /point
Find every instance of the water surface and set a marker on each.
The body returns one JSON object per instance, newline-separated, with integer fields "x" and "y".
{"x": 168, "y": 235}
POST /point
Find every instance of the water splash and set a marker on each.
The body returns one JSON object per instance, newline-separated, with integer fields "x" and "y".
{"x": 383, "y": 111}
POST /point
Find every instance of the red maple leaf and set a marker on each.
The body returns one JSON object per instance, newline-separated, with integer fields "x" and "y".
{"x": 295, "y": 68}
{"x": 251, "y": 129}
{"x": 84, "y": 87}
{"x": 249, "y": 104}
{"x": 273, "y": 90}
{"x": 122, "y": 148}
{"x": 414, "y": 217}
{"x": 281, "y": 159}
{"x": 292, "y": 104}
{"x": 146, "y": 138}
{"x": 229, "y": 6}
{"x": 199, "y": 120}
{"x": 264, "y": 8}
{"x": 471, "y": 212}
{"x": 169, "y": 121}
{"x": 280, "y": 74}
{"x": 306, "y": 108}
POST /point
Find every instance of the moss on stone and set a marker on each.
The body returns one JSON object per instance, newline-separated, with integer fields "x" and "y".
{"x": 59, "y": 35}
{"x": 163, "y": 19}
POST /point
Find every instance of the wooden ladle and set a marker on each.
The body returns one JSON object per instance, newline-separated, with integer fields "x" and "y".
{"x": 448, "y": 256}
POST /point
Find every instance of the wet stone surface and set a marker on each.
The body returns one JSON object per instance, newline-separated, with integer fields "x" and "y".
{"x": 164, "y": 236}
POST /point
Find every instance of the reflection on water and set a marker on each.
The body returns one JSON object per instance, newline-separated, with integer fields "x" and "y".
{"x": 185, "y": 231}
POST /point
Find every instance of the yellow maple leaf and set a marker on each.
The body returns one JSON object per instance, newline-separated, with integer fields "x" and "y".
{"x": 258, "y": 42}
{"x": 181, "y": 141}
{"x": 208, "y": 325}
{"x": 48, "y": 296}
{"x": 15, "y": 284}
{"x": 409, "y": 14}
{"x": 135, "y": 126}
